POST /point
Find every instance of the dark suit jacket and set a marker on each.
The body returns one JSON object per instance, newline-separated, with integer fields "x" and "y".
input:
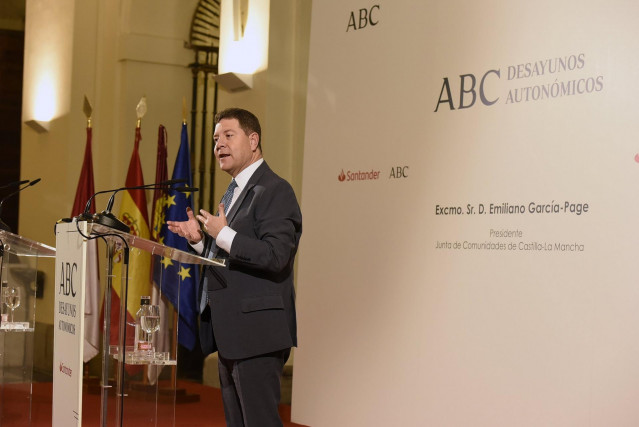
{"x": 251, "y": 307}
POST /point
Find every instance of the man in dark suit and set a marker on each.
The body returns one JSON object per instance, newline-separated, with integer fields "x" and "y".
{"x": 248, "y": 307}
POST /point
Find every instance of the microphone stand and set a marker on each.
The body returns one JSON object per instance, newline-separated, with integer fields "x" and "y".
{"x": 4, "y": 226}
{"x": 108, "y": 219}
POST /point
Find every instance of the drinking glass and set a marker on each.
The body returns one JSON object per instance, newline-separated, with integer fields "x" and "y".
{"x": 12, "y": 299}
{"x": 150, "y": 320}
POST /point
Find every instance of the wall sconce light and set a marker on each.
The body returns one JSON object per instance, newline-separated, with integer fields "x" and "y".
{"x": 234, "y": 82}
{"x": 48, "y": 62}
{"x": 38, "y": 126}
{"x": 243, "y": 43}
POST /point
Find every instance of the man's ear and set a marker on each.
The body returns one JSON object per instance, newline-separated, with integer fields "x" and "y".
{"x": 254, "y": 138}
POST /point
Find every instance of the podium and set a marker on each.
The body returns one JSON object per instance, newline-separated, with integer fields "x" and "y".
{"x": 19, "y": 278}
{"x": 129, "y": 394}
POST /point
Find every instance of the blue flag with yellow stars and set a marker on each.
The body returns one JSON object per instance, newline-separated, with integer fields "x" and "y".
{"x": 172, "y": 275}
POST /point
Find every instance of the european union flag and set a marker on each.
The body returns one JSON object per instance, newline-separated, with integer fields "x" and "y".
{"x": 176, "y": 276}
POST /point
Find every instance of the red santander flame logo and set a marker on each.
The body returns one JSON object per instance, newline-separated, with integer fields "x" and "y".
{"x": 342, "y": 176}
{"x": 65, "y": 369}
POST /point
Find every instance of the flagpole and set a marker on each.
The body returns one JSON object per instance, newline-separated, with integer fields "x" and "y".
{"x": 134, "y": 267}
{"x": 174, "y": 312}
{"x": 84, "y": 193}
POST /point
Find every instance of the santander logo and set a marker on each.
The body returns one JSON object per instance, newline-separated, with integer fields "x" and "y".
{"x": 369, "y": 175}
{"x": 65, "y": 369}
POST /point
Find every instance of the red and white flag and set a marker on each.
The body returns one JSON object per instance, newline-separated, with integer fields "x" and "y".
{"x": 85, "y": 190}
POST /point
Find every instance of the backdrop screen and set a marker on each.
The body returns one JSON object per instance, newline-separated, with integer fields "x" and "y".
{"x": 470, "y": 207}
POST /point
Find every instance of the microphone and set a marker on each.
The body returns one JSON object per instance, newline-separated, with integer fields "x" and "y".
{"x": 107, "y": 219}
{"x": 87, "y": 216}
{"x": 159, "y": 185}
{"x": 4, "y": 226}
{"x": 14, "y": 184}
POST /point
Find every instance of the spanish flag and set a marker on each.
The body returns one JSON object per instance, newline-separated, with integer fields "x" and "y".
{"x": 133, "y": 212}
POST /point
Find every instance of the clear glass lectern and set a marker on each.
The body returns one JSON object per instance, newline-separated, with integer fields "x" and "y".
{"x": 19, "y": 278}
{"x": 139, "y": 352}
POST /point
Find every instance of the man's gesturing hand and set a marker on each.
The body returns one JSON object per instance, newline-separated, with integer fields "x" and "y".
{"x": 213, "y": 224}
{"x": 189, "y": 229}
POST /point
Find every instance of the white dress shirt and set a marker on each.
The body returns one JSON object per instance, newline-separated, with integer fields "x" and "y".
{"x": 226, "y": 235}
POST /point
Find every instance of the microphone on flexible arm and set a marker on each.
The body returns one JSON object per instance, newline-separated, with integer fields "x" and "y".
{"x": 87, "y": 215}
{"x": 107, "y": 218}
{"x": 4, "y": 226}
{"x": 14, "y": 184}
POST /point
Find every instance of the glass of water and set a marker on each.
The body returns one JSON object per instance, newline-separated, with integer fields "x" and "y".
{"x": 12, "y": 299}
{"x": 150, "y": 320}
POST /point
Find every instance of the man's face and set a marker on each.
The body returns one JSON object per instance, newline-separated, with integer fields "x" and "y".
{"x": 234, "y": 149}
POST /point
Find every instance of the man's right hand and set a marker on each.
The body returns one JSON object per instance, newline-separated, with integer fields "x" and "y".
{"x": 189, "y": 229}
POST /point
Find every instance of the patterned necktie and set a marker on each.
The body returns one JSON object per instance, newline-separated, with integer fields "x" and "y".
{"x": 228, "y": 196}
